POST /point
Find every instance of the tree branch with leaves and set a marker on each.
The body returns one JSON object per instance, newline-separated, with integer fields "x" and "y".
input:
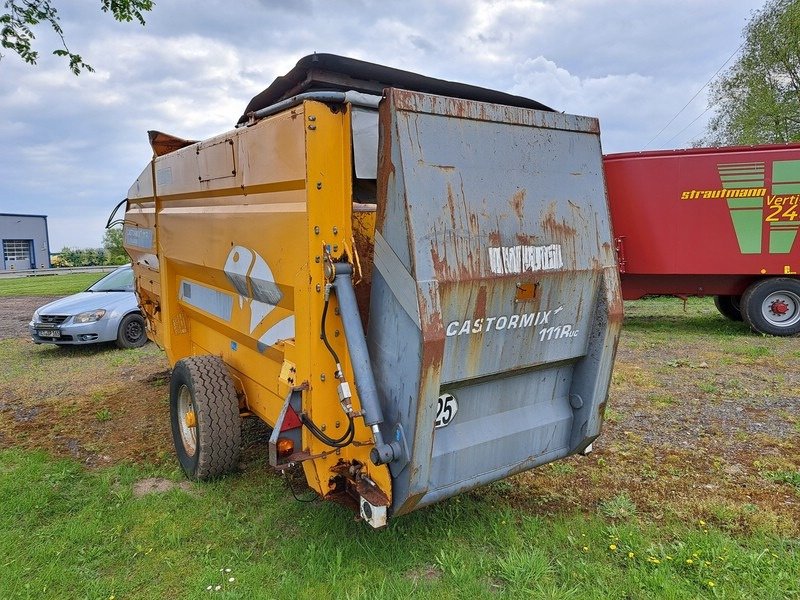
{"x": 21, "y": 17}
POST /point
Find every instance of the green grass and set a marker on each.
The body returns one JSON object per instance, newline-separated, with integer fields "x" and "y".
{"x": 791, "y": 478}
{"x": 69, "y": 533}
{"x": 666, "y": 316}
{"x": 620, "y": 507}
{"x": 48, "y": 285}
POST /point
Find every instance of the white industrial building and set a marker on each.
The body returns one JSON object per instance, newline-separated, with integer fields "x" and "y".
{"x": 25, "y": 242}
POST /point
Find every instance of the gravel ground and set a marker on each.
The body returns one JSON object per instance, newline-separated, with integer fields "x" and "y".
{"x": 16, "y": 313}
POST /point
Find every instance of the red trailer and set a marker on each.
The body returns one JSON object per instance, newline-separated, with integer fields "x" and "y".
{"x": 712, "y": 221}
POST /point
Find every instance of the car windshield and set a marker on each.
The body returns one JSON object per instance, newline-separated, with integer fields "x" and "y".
{"x": 120, "y": 280}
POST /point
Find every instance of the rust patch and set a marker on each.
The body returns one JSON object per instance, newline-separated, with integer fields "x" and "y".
{"x": 431, "y": 317}
{"x": 349, "y": 484}
{"x": 518, "y": 204}
{"x": 474, "y": 224}
{"x": 525, "y": 292}
{"x": 164, "y": 143}
{"x": 558, "y": 230}
{"x": 525, "y": 239}
{"x": 433, "y": 338}
{"x": 364, "y": 240}
{"x": 439, "y": 263}
{"x": 451, "y": 204}
{"x": 462, "y": 265}
{"x": 480, "y": 302}
{"x": 386, "y": 169}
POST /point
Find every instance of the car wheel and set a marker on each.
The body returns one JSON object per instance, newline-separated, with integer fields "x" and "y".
{"x": 729, "y": 307}
{"x": 204, "y": 412}
{"x": 131, "y": 332}
{"x": 772, "y": 306}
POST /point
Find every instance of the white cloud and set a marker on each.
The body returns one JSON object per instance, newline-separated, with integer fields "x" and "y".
{"x": 72, "y": 145}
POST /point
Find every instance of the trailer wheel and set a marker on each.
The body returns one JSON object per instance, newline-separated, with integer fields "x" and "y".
{"x": 772, "y": 306}
{"x": 729, "y": 307}
{"x": 204, "y": 411}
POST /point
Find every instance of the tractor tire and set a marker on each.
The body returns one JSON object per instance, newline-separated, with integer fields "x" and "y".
{"x": 728, "y": 306}
{"x": 131, "y": 332}
{"x": 204, "y": 411}
{"x": 772, "y": 306}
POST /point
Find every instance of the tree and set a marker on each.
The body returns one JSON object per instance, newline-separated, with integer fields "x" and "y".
{"x": 86, "y": 257}
{"x": 22, "y": 16}
{"x": 112, "y": 244}
{"x": 757, "y": 100}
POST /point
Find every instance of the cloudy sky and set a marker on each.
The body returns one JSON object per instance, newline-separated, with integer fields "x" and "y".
{"x": 73, "y": 145}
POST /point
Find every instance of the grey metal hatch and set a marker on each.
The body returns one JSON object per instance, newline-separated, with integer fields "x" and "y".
{"x": 494, "y": 284}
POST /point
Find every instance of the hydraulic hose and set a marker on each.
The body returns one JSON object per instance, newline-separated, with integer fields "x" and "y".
{"x": 347, "y": 438}
{"x": 342, "y": 285}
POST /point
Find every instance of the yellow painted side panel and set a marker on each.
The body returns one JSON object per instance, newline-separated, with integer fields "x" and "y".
{"x": 243, "y": 222}
{"x": 329, "y": 169}
{"x": 226, "y": 210}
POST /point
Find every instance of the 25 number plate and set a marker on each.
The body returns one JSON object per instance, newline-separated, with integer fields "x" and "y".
{"x": 446, "y": 409}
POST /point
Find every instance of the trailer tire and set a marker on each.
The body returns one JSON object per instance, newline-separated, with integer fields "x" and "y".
{"x": 772, "y": 306}
{"x": 204, "y": 412}
{"x": 729, "y": 307}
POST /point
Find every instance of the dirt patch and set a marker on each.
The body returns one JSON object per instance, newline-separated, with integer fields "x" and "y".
{"x": 16, "y": 313}
{"x": 427, "y": 573}
{"x": 92, "y": 403}
{"x": 126, "y": 420}
{"x": 158, "y": 485}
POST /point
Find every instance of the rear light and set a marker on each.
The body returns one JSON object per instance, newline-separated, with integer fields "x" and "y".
{"x": 285, "y": 447}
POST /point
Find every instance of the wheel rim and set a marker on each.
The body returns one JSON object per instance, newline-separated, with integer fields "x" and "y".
{"x": 133, "y": 331}
{"x": 188, "y": 430}
{"x": 781, "y": 309}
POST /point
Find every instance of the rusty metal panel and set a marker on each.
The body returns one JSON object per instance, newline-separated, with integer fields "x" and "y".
{"x": 496, "y": 217}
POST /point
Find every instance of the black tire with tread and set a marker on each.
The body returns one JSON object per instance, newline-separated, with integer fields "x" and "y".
{"x": 754, "y": 297}
{"x": 216, "y": 407}
{"x": 131, "y": 332}
{"x": 729, "y": 307}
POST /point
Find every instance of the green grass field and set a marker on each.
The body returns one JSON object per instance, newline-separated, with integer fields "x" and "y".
{"x": 48, "y": 285}
{"x": 69, "y": 533}
{"x": 626, "y": 522}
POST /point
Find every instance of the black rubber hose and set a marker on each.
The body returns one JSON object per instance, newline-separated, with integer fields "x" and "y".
{"x": 345, "y": 440}
{"x": 324, "y": 336}
{"x": 350, "y": 432}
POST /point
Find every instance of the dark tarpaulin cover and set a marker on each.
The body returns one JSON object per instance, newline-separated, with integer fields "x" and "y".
{"x": 329, "y": 72}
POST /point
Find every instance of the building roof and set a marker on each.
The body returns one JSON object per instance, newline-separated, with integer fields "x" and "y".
{"x": 21, "y": 215}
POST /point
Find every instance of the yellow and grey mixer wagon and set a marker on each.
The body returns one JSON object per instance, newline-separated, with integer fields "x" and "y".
{"x": 411, "y": 281}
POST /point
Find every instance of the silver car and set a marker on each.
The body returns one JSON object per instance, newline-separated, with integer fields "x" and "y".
{"x": 106, "y": 312}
